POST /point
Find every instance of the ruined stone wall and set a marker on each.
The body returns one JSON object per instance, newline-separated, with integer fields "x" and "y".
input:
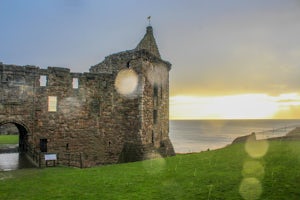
{"x": 155, "y": 124}
{"x": 150, "y": 113}
{"x": 92, "y": 124}
{"x": 17, "y": 95}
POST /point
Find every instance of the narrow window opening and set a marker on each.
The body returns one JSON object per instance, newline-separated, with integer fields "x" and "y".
{"x": 43, "y": 80}
{"x": 155, "y": 91}
{"x": 67, "y": 146}
{"x": 104, "y": 84}
{"x": 75, "y": 83}
{"x": 155, "y": 96}
{"x": 152, "y": 137}
{"x": 52, "y": 103}
{"x": 155, "y": 116}
{"x": 43, "y": 145}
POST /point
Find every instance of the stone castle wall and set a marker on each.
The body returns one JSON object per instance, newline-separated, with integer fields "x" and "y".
{"x": 91, "y": 122}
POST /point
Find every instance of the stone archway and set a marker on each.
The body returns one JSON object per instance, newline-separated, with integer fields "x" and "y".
{"x": 17, "y": 156}
{"x": 23, "y": 134}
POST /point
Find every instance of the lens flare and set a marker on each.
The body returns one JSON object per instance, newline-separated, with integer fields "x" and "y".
{"x": 126, "y": 82}
{"x": 250, "y": 188}
{"x": 155, "y": 163}
{"x": 4, "y": 176}
{"x": 157, "y": 75}
{"x": 256, "y": 148}
{"x": 253, "y": 168}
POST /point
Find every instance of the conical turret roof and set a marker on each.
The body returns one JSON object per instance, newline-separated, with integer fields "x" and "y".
{"x": 148, "y": 43}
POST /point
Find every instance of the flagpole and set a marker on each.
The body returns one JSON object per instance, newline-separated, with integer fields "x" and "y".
{"x": 149, "y": 19}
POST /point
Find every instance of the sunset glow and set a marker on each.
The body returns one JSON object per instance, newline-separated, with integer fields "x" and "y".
{"x": 230, "y": 59}
{"x": 243, "y": 106}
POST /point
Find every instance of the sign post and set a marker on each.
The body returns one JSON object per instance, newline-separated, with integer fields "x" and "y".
{"x": 50, "y": 157}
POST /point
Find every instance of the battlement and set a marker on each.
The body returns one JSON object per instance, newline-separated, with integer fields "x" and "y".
{"x": 83, "y": 117}
{"x": 122, "y": 59}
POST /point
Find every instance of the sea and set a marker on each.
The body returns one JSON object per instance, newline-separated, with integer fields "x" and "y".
{"x": 190, "y": 136}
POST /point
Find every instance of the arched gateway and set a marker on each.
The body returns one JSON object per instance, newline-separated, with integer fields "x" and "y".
{"x": 82, "y": 118}
{"x": 23, "y": 133}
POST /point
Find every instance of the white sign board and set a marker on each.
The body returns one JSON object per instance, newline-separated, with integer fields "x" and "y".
{"x": 50, "y": 156}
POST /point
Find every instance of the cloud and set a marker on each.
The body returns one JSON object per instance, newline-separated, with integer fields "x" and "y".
{"x": 216, "y": 47}
{"x": 289, "y": 106}
{"x": 290, "y": 101}
{"x": 245, "y": 53}
{"x": 288, "y": 112}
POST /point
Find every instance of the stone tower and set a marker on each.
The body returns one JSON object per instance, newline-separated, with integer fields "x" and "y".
{"x": 117, "y": 112}
{"x": 149, "y": 101}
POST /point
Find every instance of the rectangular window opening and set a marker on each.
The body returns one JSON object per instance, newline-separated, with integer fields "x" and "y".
{"x": 52, "y": 103}
{"x": 43, "y": 145}
{"x": 75, "y": 83}
{"x": 43, "y": 80}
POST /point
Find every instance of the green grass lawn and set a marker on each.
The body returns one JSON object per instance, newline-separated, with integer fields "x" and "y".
{"x": 9, "y": 139}
{"x": 228, "y": 173}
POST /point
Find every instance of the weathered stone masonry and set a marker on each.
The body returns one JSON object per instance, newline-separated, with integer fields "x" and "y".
{"x": 82, "y": 117}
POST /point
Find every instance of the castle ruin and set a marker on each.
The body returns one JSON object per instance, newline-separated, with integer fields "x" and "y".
{"x": 117, "y": 112}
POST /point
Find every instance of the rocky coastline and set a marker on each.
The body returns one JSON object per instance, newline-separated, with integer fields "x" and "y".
{"x": 292, "y": 135}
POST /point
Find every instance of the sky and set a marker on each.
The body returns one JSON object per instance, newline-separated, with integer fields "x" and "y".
{"x": 231, "y": 59}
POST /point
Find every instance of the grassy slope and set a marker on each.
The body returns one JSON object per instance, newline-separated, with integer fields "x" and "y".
{"x": 9, "y": 139}
{"x": 208, "y": 175}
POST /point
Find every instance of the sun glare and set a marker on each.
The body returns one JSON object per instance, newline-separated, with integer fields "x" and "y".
{"x": 244, "y": 106}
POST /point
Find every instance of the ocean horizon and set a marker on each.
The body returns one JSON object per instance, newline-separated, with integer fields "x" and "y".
{"x": 200, "y": 135}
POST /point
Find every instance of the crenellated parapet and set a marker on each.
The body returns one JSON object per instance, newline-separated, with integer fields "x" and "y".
{"x": 116, "y": 112}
